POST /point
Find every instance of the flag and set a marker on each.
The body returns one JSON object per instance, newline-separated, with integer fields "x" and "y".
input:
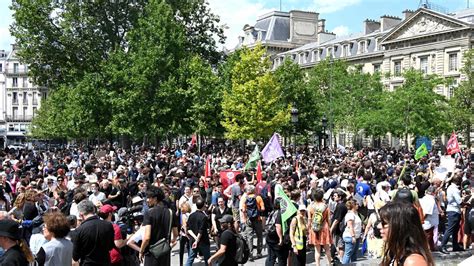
{"x": 421, "y": 151}
{"x": 259, "y": 171}
{"x": 272, "y": 150}
{"x": 227, "y": 178}
{"x": 207, "y": 170}
{"x": 453, "y": 146}
{"x": 287, "y": 207}
{"x": 254, "y": 157}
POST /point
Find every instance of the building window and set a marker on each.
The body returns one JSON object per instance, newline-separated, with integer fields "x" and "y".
{"x": 453, "y": 62}
{"x": 35, "y": 100}
{"x": 15, "y": 112}
{"x": 397, "y": 68}
{"x": 25, "y": 98}
{"x": 376, "y": 68}
{"x": 1, "y": 67}
{"x": 361, "y": 47}
{"x": 35, "y": 109}
{"x": 25, "y": 111}
{"x": 15, "y": 82}
{"x": 424, "y": 64}
{"x": 15, "y": 97}
{"x": 451, "y": 88}
{"x": 25, "y": 82}
{"x": 15, "y": 67}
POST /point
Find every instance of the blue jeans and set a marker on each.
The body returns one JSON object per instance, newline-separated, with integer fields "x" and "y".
{"x": 454, "y": 220}
{"x": 193, "y": 252}
{"x": 350, "y": 250}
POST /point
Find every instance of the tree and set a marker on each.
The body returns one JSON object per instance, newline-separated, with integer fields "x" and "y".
{"x": 414, "y": 108}
{"x": 294, "y": 90}
{"x": 205, "y": 97}
{"x": 253, "y": 109}
{"x": 462, "y": 102}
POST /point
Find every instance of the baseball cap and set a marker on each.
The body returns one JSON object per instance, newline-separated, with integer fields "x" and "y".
{"x": 107, "y": 208}
{"x": 226, "y": 219}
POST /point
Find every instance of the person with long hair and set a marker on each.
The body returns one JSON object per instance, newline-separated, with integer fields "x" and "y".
{"x": 352, "y": 232}
{"x": 402, "y": 232}
{"x": 319, "y": 213}
{"x": 17, "y": 251}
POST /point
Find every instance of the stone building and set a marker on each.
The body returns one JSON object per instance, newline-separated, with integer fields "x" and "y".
{"x": 424, "y": 39}
{"x": 20, "y": 98}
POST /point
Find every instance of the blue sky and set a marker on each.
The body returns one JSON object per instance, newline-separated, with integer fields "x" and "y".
{"x": 342, "y": 16}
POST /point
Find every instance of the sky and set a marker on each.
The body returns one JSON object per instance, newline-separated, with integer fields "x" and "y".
{"x": 342, "y": 16}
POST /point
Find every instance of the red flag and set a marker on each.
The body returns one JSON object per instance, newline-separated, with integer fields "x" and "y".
{"x": 207, "y": 171}
{"x": 453, "y": 146}
{"x": 228, "y": 178}
{"x": 259, "y": 171}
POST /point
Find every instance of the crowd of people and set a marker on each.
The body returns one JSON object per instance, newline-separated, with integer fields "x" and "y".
{"x": 106, "y": 205}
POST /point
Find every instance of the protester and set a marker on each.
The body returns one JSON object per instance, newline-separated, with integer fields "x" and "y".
{"x": 93, "y": 238}
{"x": 228, "y": 247}
{"x": 299, "y": 236}
{"x": 58, "y": 249}
{"x": 16, "y": 249}
{"x": 405, "y": 241}
{"x": 352, "y": 232}
{"x": 319, "y": 228}
{"x": 197, "y": 226}
{"x": 252, "y": 207}
{"x": 157, "y": 223}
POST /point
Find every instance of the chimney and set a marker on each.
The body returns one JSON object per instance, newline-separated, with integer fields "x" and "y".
{"x": 388, "y": 22}
{"x": 325, "y": 37}
{"x": 407, "y": 13}
{"x": 370, "y": 26}
{"x": 304, "y": 26}
{"x": 321, "y": 25}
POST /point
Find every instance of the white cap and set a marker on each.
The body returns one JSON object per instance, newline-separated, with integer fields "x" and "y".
{"x": 301, "y": 207}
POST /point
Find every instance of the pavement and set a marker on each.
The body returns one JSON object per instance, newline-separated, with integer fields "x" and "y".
{"x": 453, "y": 258}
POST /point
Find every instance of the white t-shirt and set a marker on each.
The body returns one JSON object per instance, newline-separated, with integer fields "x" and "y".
{"x": 97, "y": 198}
{"x": 357, "y": 225}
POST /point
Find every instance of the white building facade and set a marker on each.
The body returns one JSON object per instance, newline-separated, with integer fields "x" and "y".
{"x": 20, "y": 99}
{"x": 424, "y": 39}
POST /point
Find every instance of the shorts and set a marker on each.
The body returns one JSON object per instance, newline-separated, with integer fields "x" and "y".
{"x": 236, "y": 214}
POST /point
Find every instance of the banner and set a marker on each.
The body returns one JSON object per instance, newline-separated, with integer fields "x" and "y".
{"x": 287, "y": 207}
{"x": 272, "y": 150}
{"x": 420, "y": 140}
{"x": 453, "y": 146}
{"x": 227, "y": 178}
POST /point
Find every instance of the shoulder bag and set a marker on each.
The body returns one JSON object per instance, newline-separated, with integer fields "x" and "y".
{"x": 162, "y": 246}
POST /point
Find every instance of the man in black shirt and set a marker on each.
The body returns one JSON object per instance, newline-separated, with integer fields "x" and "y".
{"x": 93, "y": 238}
{"x": 199, "y": 236}
{"x": 337, "y": 223}
{"x": 228, "y": 246}
{"x": 156, "y": 222}
{"x": 276, "y": 247}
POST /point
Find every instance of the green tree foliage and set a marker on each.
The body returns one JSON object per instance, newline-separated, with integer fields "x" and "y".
{"x": 134, "y": 53}
{"x": 294, "y": 90}
{"x": 253, "y": 108}
{"x": 414, "y": 108}
{"x": 205, "y": 95}
{"x": 462, "y": 102}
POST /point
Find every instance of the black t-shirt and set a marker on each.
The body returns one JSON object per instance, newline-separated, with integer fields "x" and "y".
{"x": 198, "y": 223}
{"x": 229, "y": 240}
{"x": 339, "y": 214}
{"x": 218, "y": 215}
{"x": 158, "y": 217}
{"x": 29, "y": 211}
{"x": 272, "y": 237}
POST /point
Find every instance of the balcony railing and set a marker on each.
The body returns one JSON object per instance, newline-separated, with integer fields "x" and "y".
{"x": 13, "y": 118}
{"x": 16, "y": 71}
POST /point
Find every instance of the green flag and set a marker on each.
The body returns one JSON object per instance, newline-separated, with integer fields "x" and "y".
{"x": 421, "y": 151}
{"x": 287, "y": 207}
{"x": 254, "y": 157}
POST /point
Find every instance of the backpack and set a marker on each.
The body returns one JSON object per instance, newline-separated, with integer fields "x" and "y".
{"x": 270, "y": 223}
{"x": 403, "y": 194}
{"x": 317, "y": 222}
{"x": 243, "y": 251}
{"x": 252, "y": 210}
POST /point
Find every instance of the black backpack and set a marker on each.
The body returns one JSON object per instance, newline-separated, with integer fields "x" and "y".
{"x": 243, "y": 251}
{"x": 403, "y": 194}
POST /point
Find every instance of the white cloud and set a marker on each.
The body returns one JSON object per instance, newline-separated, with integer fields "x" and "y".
{"x": 341, "y": 30}
{"x": 235, "y": 14}
{"x": 329, "y": 6}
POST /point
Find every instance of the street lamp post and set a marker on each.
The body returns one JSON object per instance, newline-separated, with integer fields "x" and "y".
{"x": 294, "y": 121}
{"x": 324, "y": 123}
